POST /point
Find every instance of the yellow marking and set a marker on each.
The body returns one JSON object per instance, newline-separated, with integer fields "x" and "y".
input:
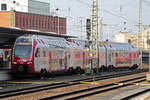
{"x": 124, "y": 83}
{"x": 93, "y": 83}
{"x": 119, "y": 83}
{"x": 144, "y": 83}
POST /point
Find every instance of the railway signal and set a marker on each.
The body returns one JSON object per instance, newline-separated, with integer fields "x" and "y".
{"x": 88, "y": 29}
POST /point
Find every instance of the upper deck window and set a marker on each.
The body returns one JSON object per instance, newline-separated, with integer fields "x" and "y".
{"x": 24, "y": 41}
{"x": 3, "y": 7}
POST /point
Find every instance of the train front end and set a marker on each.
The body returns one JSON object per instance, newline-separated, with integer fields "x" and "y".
{"x": 22, "y": 56}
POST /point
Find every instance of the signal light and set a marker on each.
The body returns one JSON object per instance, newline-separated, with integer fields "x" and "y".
{"x": 88, "y": 35}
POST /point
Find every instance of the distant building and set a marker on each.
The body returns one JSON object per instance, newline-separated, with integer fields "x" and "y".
{"x": 33, "y": 21}
{"x": 125, "y": 37}
{"x": 30, "y": 14}
{"x": 145, "y": 37}
{"x": 30, "y": 6}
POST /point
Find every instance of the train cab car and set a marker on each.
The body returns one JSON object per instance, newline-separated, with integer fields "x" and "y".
{"x": 23, "y": 55}
{"x": 35, "y": 54}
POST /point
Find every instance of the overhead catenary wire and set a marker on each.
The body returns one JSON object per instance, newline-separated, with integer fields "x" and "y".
{"x": 109, "y": 12}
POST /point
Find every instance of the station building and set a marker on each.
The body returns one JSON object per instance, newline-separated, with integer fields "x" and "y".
{"x": 30, "y": 6}
{"x": 32, "y": 21}
{"x": 30, "y": 14}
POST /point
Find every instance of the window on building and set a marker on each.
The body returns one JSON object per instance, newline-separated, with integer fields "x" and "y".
{"x": 23, "y": 22}
{"x": 31, "y": 22}
{"x": 37, "y": 25}
{"x": 3, "y": 7}
{"x": 27, "y": 22}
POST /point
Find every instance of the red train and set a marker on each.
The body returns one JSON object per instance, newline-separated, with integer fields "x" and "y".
{"x": 35, "y": 54}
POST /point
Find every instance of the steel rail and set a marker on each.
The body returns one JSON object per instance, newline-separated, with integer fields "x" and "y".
{"x": 136, "y": 94}
{"x": 16, "y": 92}
{"x": 91, "y": 89}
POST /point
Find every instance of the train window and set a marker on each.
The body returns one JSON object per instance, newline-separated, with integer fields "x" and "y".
{"x": 112, "y": 54}
{"x": 110, "y": 57}
{"x": 125, "y": 54}
{"x": 61, "y": 62}
{"x": 22, "y": 50}
{"x": 37, "y": 53}
{"x": 134, "y": 54}
{"x": 44, "y": 53}
{"x": 116, "y": 54}
{"x": 3, "y": 7}
{"x": 24, "y": 41}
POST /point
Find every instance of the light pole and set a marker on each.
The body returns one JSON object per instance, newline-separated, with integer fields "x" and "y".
{"x": 57, "y": 21}
{"x": 11, "y": 17}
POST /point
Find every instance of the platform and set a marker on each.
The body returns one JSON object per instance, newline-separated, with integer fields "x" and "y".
{"x": 5, "y": 73}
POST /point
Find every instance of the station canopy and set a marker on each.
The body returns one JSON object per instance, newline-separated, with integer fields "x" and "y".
{"x": 8, "y": 35}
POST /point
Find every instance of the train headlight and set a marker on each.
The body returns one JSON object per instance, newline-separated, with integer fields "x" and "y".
{"x": 14, "y": 62}
{"x": 30, "y": 62}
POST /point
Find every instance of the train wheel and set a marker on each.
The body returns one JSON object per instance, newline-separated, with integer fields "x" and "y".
{"x": 134, "y": 66}
{"x": 78, "y": 70}
{"x": 43, "y": 73}
{"x": 103, "y": 68}
{"x": 111, "y": 68}
{"x": 70, "y": 71}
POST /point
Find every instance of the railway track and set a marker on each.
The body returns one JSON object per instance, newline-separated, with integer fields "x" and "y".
{"x": 18, "y": 92}
{"x": 95, "y": 90}
{"x": 136, "y": 94}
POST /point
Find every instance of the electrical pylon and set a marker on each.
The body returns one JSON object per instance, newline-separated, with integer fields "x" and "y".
{"x": 94, "y": 24}
{"x": 94, "y": 29}
{"x": 140, "y": 35}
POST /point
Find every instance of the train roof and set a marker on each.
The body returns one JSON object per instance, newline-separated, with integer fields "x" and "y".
{"x": 122, "y": 46}
{"x": 119, "y": 46}
{"x": 56, "y": 41}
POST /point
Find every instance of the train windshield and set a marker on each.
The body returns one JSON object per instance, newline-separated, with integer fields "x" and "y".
{"x": 1, "y": 53}
{"x": 23, "y": 47}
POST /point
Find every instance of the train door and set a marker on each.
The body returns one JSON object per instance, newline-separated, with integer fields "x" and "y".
{"x": 1, "y": 58}
{"x": 68, "y": 59}
{"x": 84, "y": 60}
{"x": 45, "y": 58}
{"x": 110, "y": 57}
{"x": 37, "y": 59}
{"x": 6, "y": 57}
{"x": 130, "y": 57}
{"x": 61, "y": 59}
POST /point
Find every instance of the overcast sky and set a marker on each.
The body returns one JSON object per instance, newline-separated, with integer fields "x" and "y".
{"x": 113, "y": 12}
